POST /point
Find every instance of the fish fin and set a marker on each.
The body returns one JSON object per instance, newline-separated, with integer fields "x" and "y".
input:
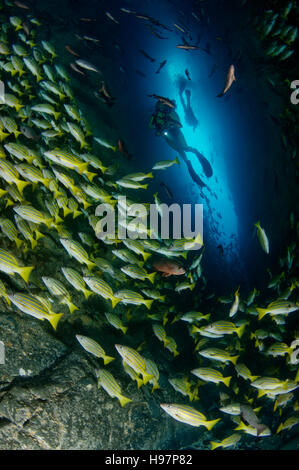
{"x": 21, "y": 185}
{"x": 214, "y": 445}
{"x": 25, "y": 272}
{"x": 146, "y": 377}
{"x": 123, "y": 400}
{"x": 210, "y": 424}
{"x": 146, "y": 256}
{"x": 124, "y": 329}
{"x": 72, "y": 307}
{"x": 240, "y": 330}
{"x": 87, "y": 293}
{"x": 54, "y": 319}
{"x": 114, "y": 301}
{"x": 234, "y": 359}
{"x": 90, "y": 175}
{"x": 261, "y": 312}
{"x": 18, "y": 242}
{"x": 139, "y": 382}
{"x": 279, "y": 428}
{"x": 227, "y": 380}
{"x": 177, "y": 160}
{"x": 56, "y": 115}
{"x": 151, "y": 277}
{"x": 108, "y": 359}
{"x": 148, "y": 303}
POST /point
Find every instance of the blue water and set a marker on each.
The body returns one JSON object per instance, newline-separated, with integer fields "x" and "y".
{"x": 235, "y": 133}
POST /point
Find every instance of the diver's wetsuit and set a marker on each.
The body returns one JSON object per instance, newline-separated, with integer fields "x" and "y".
{"x": 166, "y": 122}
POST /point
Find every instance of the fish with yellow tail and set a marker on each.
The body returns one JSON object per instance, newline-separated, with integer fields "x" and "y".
{"x": 91, "y": 346}
{"x": 230, "y": 441}
{"x": 235, "y": 306}
{"x": 134, "y": 360}
{"x": 230, "y": 79}
{"x": 109, "y": 384}
{"x": 188, "y": 415}
{"x": 34, "y": 307}
{"x": 262, "y": 237}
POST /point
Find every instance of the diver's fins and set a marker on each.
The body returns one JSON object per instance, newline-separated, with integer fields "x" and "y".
{"x": 203, "y": 161}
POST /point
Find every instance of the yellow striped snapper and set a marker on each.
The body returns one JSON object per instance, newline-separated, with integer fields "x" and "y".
{"x": 99, "y": 194}
{"x": 18, "y": 64}
{"x": 233, "y": 409}
{"x": 225, "y": 327}
{"x": 129, "y": 297}
{"x": 53, "y": 88}
{"x": 136, "y": 246}
{"x": 109, "y": 384}
{"x": 9, "y": 229}
{"x": 131, "y": 372}
{"x": 12, "y": 101}
{"x": 282, "y": 400}
{"x": 171, "y": 346}
{"x": 49, "y": 72}
{"x": 32, "y": 174}
{"x": 211, "y": 375}
{"x": 57, "y": 289}
{"x": 193, "y": 316}
{"x": 73, "y": 206}
{"x": 183, "y": 386}
{"x": 10, "y": 125}
{"x": 45, "y": 108}
{"x": 68, "y": 160}
{"x": 184, "y": 286}
{"x": 152, "y": 369}
{"x": 10, "y": 174}
{"x": 139, "y": 176}
{"x": 234, "y": 308}
{"x": 269, "y": 383}
{"x": 137, "y": 272}
{"x": 288, "y": 424}
{"x": 230, "y": 441}
{"x": 76, "y": 280}
{"x": 115, "y": 321}
{"x": 33, "y": 67}
{"x": 251, "y": 429}
{"x": 153, "y": 294}
{"x": 72, "y": 112}
{"x": 126, "y": 183}
{"x": 188, "y": 415}
{"x": 104, "y": 266}
{"x": 218, "y": 355}
{"x": 4, "y": 49}
{"x": 279, "y": 349}
{"x": 243, "y": 371}
{"x": 165, "y": 164}
{"x": 78, "y": 134}
{"x": 53, "y": 210}
{"x": 252, "y": 296}
{"x": 278, "y": 307}
{"x": 105, "y": 144}
{"x": 31, "y": 214}
{"x": 262, "y": 237}
{"x": 25, "y": 230}
{"x": 94, "y": 161}
{"x": 75, "y": 250}
{"x": 3, "y": 293}
{"x": 21, "y": 152}
{"x": 127, "y": 256}
{"x": 160, "y": 333}
{"x": 34, "y": 307}
{"x": 91, "y": 346}
{"x": 10, "y": 265}
{"x": 49, "y": 48}
{"x": 100, "y": 287}
{"x": 134, "y": 360}
{"x": 16, "y": 22}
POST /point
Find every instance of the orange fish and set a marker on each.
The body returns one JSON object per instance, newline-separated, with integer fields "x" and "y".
{"x": 169, "y": 267}
{"x": 230, "y": 79}
{"x": 122, "y": 148}
{"x": 70, "y": 50}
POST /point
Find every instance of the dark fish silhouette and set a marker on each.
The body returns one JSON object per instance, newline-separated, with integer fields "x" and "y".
{"x": 161, "y": 66}
{"x": 145, "y": 54}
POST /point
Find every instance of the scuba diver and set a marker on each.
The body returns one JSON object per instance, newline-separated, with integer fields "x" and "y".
{"x": 167, "y": 124}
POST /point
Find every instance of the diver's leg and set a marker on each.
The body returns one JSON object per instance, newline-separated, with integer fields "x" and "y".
{"x": 203, "y": 161}
{"x": 192, "y": 173}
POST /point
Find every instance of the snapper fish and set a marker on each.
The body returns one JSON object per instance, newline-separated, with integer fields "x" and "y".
{"x": 230, "y": 79}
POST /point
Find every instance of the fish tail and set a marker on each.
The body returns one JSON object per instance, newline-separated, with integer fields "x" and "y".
{"x": 21, "y": 185}
{"x": 151, "y": 277}
{"x": 139, "y": 382}
{"x": 261, "y": 312}
{"x": 66, "y": 211}
{"x": 18, "y": 242}
{"x": 25, "y": 273}
{"x": 104, "y": 169}
{"x": 175, "y": 353}
{"x": 150, "y": 175}
{"x": 56, "y": 115}
{"x": 19, "y": 27}
{"x": 148, "y": 304}
{"x": 9, "y": 203}
{"x": 108, "y": 359}
{"x": 146, "y": 255}
{"x": 86, "y": 204}
{"x": 7, "y": 299}
{"x": 210, "y": 424}
{"x": 146, "y": 377}
{"x": 124, "y": 329}
{"x": 17, "y": 133}
{"x": 240, "y": 330}
{"x": 115, "y": 301}
{"x": 38, "y": 78}
{"x": 87, "y": 293}
{"x": 76, "y": 214}
{"x": 275, "y": 406}
{"x": 214, "y": 445}
{"x": 234, "y": 359}
{"x": 54, "y": 319}
{"x": 144, "y": 186}
{"x": 252, "y": 378}
{"x": 71, "y": 306}
{"x": 155, "y": 387}
{"x": 33, "y": 243}
{"x": 114, "y": 148}
{"x": 90, "y": 175}
{"x": 279, "y": 429}
{"x": 123, "y": 400}
{"x": 38, "y": 235}
{"x": 227, "y": 380}
{"x": 46, "y": 182}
